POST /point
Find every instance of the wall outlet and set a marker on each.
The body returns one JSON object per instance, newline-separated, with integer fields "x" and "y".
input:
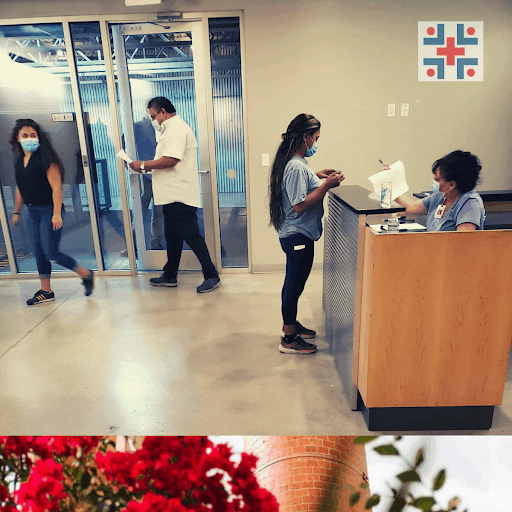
{"x": 405, "y": 109}
{"x": 391, "y": 109}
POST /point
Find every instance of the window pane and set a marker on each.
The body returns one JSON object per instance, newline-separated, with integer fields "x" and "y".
{"x": 34, "y": 84}
{"x": 100, "y": 147}
{"x": 229, "y": 139}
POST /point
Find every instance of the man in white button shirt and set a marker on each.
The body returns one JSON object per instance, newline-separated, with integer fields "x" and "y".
{"x": 176, "y": 187}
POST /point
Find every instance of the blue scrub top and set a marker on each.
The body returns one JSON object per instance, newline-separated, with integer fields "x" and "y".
{"x": 299, "y": 181}
{"x": 468, "y": 207}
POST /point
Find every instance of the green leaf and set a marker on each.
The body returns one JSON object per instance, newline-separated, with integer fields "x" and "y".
{"x": 363, "y": 485}
{"x": 86, "y": 480}
{"x": 372, "y": 501}
{"x": 425, "y": 503}
{"x": 439, "y": 480}
{"x": 397, "y": 438}
{"x": 364, "y": 439}
{"x": 409, "y": 476}
{"x": 387, "y": 449}
{"x": 398, "y": 505}
{"x": 419, "y": 457}
{"x": 354, "y": 498}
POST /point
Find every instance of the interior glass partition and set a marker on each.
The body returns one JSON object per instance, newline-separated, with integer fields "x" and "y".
{"x": 33, "y": 85}
{"x": 229, "y": 139}
{"x": 101, "y": 157}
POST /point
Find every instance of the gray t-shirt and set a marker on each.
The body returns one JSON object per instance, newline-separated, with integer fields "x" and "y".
{"x": 468, "y": 207}
{"x": 299, "y": 181}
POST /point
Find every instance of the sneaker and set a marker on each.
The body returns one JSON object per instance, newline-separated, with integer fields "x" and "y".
{"x": 300, "y": 330}
{"x": 163, "y": 281}
{"x": 297, "y": 346}
{"x": 88, "y": 282}
{"x": 209, "y": 285}
{"x": 41, "y": 297}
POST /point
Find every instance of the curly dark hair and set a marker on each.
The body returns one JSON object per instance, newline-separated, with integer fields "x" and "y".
{"x": 461, "y": 167}
{"x": 45, "y": 143}
{"x": 303, "y": 124}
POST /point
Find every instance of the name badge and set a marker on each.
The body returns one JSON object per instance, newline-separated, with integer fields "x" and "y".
{"x": 439, "y": 212}
{"x": 298, "y": 247}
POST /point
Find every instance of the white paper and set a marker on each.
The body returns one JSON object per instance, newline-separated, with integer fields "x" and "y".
{"x": 122, "y": 154}
{"x": 413, "y": 226}
{"x": 396, "y": 174}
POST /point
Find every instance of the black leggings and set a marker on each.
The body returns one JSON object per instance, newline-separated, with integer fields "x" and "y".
{"x": 299, "y": 250}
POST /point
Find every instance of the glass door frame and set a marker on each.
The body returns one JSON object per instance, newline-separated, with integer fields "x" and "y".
{"x": 148, "y": 259}
{"x": 165, "y": 19}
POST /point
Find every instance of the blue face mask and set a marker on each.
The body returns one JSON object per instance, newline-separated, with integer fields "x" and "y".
{"x": 30, "y": 145}
{"x": 312, "y": 150}
{"x": 434, "y": 185}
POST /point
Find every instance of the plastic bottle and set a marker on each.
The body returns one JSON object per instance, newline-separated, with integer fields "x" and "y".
{"x": 394, "y": 223}
{"x": 385, "y": 194}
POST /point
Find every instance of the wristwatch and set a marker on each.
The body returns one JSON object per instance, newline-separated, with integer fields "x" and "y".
{"x": 143, "y": 167}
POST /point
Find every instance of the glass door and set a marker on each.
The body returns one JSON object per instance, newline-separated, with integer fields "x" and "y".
{"x": 154, "y": 60}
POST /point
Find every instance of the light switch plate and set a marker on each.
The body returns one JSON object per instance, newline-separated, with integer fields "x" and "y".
{"x": 265, "y": 160}
{"x": 391, "y": 109}
{"x": 405, "y": 109}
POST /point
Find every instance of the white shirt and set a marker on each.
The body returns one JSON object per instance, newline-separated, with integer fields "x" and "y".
{"x": 178, "y": 184}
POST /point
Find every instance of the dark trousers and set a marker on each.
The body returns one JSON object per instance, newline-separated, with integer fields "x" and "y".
{"x": 299, "y": 261}
{"x": 46, "y": 241}
{"x": 180, "y": 224}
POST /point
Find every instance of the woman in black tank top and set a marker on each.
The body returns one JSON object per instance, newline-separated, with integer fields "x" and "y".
{"x": 39, "y": 175}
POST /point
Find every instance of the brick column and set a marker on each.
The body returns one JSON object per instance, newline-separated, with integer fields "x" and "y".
{"x": 310, "y": 474}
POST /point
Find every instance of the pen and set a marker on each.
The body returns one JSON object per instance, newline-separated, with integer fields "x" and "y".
{"x": 381, "y": 161}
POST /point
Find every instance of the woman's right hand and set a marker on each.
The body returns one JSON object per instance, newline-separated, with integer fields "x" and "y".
{"x": 15, "y": 219}
{"x": 334, "y": 179}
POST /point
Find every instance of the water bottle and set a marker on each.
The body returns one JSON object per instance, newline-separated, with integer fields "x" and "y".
{"x": 394, "y": 223}
{"x": 385, "y": 194}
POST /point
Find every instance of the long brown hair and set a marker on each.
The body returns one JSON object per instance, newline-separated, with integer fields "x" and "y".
{"x": 292, "y": 141}
{"x": 45, "y": 143}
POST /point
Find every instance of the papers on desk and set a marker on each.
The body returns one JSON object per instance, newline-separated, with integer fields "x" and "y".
{"x": 396, "y": 174}
{"x": 408, "y": 226}
{"x": 122, "y": 154}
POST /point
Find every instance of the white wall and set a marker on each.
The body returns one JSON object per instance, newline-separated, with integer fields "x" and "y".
{"x": 344, "y": 61}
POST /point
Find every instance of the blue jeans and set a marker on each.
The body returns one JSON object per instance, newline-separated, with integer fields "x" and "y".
{"x": 299, "y": 251}
{"x": 46, "y": 241}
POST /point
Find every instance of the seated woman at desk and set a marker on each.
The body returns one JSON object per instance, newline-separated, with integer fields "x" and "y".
{"x": 454, "y": 205}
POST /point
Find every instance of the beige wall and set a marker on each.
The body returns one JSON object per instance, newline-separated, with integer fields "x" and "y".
{"x": 344, "y": 61}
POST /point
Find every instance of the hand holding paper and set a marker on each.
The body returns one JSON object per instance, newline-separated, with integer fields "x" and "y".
{"x": 396, "y": 174}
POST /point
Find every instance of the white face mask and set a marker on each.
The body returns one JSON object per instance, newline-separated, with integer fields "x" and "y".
{"x": 156, "y": 125}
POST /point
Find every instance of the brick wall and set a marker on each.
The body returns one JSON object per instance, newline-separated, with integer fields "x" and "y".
{"x": 310, "y": 474}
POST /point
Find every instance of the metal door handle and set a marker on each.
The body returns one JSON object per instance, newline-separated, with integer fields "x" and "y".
{"x": 204, "y": 171}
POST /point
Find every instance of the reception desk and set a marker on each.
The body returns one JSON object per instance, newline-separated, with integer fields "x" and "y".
{"x": 419, "y": 324}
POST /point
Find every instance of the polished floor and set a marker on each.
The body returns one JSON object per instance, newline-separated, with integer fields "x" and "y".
{"x": 139, "y": 360}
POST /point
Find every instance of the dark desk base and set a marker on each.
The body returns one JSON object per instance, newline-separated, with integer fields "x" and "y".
{"x": 426, "y": 418}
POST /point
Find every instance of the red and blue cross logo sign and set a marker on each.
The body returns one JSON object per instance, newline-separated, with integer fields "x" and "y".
{"x": 450, "y": 51}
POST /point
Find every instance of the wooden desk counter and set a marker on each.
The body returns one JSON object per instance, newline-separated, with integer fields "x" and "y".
{"x": 436, "y": 322}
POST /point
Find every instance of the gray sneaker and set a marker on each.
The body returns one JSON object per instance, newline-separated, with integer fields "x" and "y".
{"x": 163, "y": 281}
{"x": 209, "y": 285}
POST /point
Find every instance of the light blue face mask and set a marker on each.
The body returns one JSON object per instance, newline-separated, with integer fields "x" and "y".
{"x": 30, "y": 145}
{"x": 156, "y": 125}
{"x": 312, "y": 150}
{"x": 434, "y": 185}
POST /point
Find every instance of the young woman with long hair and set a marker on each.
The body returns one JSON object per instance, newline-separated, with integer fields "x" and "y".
{"x": 296, "y": 211}
{"x": 39, "y": 176}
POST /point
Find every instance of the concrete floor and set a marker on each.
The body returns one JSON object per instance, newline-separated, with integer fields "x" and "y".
{"x": 139, "y": 360}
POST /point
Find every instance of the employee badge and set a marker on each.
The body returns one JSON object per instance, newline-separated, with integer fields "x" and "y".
{"x": 440, "y": 211}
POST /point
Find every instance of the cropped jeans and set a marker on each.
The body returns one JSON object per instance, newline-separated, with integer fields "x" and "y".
{"x": 46, "y": 241}
{"x": 299, "y": 251}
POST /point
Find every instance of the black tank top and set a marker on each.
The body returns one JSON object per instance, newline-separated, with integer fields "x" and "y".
{"x": 32, "y": 181}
